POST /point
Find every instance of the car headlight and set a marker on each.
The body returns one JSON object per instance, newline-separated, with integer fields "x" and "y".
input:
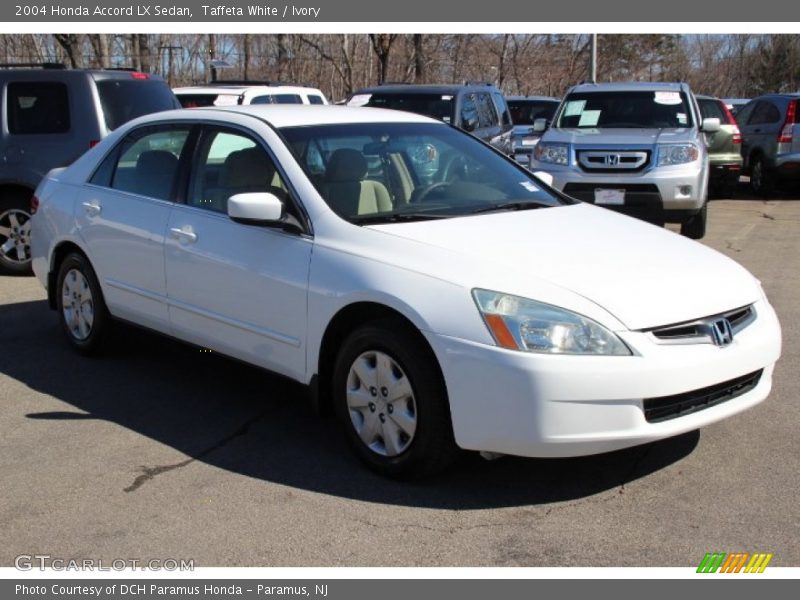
{"x": 676, "y": 154}
{"x": 522, "y": 324}
{"x": 558, "y": 154}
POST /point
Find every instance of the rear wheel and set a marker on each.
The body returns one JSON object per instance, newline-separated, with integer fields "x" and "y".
{"x": 695, "y": 228}
{"x": 391, "y": 401}
{"x": 761, "y": 180}
{"x": 81, "y": 308}
{"x": 15, "y": 233}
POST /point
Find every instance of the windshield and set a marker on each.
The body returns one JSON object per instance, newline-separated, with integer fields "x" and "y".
{"x": 437, "y": 106}
{"x": 525, "y": 112}
{"x": 403, "y": 171}
{"x": 626, "y": 110}
{"x": 126, "y": 99}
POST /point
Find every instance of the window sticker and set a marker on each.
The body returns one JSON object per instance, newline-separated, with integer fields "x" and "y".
{"x": 529, "y": 186}
{"x": 574, "y": 107}
{"x": 359, "y": 100}
{"x": 589, "y": 118}
{"x": 681, "y": 118}
{"x": 668, "y": 98}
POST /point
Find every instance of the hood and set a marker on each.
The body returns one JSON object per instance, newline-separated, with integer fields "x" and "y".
{"x": 644, "y": 275}
{"x": 621, "y": 137}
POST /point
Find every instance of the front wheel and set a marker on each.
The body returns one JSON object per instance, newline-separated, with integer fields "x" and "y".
{"x": 695, "y": 228}
{"x": 391, "y": 401}
{"x": 81, "y": 308}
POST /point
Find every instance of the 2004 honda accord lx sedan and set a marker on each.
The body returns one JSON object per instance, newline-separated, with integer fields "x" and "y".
{"x": 432, "y": 292}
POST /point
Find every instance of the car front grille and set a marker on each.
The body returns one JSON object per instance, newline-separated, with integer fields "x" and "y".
{"x": 699, "y": 331}
{"x": 613, "y": 161}
{"x": 672, "y": 407}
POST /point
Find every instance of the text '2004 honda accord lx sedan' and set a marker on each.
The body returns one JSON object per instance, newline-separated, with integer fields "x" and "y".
{"x": 429, "y": 290}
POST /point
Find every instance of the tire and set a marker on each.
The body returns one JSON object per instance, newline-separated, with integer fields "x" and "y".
{"x": 15, "y": 234}
{"x": 762, "y": 181}
{"x": 391, "y": 400}
{"x": 695, "y": 228}
{"x": 81, "y": 308}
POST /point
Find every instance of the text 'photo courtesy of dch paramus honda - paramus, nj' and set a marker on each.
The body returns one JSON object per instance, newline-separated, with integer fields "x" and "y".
{"x": 430, "y": 291}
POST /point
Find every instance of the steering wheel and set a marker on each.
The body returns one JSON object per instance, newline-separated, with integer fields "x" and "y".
{"x": 426, "y": 191}
{"x": 453, "y": 163}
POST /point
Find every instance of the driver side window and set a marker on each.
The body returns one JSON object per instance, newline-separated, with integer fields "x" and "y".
{"x": 231, "y": 163}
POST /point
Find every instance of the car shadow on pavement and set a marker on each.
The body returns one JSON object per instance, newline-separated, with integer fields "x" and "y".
{"x": 249, "y": 422}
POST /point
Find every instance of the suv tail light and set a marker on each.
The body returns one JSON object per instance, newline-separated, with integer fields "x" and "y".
{"x": 785, "y": 136}
{"x": 93, "y": 143}
{"x": 731, "y": 120}
{"x": 34, "y": 204}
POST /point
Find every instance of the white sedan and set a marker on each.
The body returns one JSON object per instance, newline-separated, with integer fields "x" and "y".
{"x": 431, "y": 292}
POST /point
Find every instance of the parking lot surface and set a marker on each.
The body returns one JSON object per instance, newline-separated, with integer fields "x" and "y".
{"x": 159, "y": 450}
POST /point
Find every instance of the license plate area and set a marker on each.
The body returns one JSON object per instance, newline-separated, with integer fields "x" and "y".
{"x": 609, "y": 197}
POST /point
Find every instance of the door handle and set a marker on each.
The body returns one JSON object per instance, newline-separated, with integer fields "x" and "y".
{"x": 92, "y": 208}
{"x": 183, "y": 235}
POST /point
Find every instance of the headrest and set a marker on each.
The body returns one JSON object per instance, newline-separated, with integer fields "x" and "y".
{"x": 249, "y": 168}
{"x": 346, "y": 164}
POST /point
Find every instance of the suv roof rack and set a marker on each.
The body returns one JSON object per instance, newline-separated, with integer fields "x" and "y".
{"x": 33, "y": 65}
{"x": 485, "y": 83}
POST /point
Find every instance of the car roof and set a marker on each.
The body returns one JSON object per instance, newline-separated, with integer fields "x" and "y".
{"x": 631, "y": 86}
{"x": 297, "y": 115}
{"x": 241, "y": 89}
{"x": 426, "y": 88}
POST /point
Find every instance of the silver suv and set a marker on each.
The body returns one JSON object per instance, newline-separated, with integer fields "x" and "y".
{"x": 50, "y": 116}
{"x": 637, "y": 148}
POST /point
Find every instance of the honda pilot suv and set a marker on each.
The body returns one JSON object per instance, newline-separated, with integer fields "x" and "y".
{"x": 636, "y": 148}
{"x": 50, "y": 116}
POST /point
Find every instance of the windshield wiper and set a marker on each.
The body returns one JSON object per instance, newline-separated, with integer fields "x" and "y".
{"x": 395, "y": 218}
{"x": 516, "y": 205}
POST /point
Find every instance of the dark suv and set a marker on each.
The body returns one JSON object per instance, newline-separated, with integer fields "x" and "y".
{"x": 770, "y": 128}
{"x": 478, "y": 108}
{"x": 50, "y": 116}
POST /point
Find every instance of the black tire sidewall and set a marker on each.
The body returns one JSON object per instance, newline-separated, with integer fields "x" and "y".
{"x": 432, "y": 447}
{"x": 101, "y": 322}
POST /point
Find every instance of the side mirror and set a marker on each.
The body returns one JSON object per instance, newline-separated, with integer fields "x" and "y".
{"x": 539, "y": 125}
{"x": 470, "y": 124}
{"x": 710, "y": 125}
{"x": 544, "y": 177}
{"x": 258, "y": 208}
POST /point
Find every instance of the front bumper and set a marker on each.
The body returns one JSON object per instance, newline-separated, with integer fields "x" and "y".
{"x": 660, "y": 194}
{"x": 526, "y": 404}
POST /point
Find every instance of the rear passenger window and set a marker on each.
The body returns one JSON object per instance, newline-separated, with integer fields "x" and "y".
{"x": 469, "y": 110}
{"x": 148, "y": 162}
{"x": 315, "y": 100}
{"x": 37, "y": 107}
{"x": 487, "y": 115}
{"x": 764, "y": 113}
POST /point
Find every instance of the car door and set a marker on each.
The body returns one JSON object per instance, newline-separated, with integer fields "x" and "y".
{"x": 239, "y": 289}
{"x": 122, "y": 216}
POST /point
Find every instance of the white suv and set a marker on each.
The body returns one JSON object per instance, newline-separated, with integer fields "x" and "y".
{"x": 637, "y": 148}
{"x": 232, "y": 93}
